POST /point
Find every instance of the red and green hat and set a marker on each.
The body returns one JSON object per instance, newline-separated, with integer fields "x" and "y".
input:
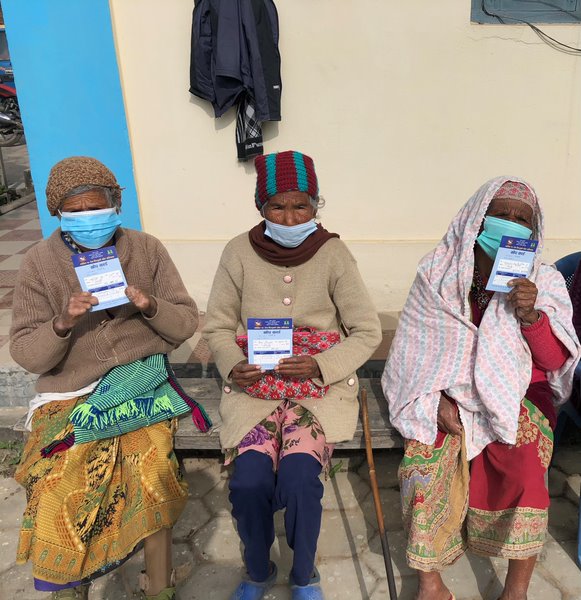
{"x": 284, "y": 172}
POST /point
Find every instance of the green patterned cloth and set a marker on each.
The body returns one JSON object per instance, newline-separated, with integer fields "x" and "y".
{"x": 127, "y": 398}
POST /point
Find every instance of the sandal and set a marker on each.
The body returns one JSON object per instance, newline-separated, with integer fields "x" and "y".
{"x": 311, "y": 591}
{"x": 168, "y": 593}
{"x": 253, "y": 590}
{"x": 80, "y": 592}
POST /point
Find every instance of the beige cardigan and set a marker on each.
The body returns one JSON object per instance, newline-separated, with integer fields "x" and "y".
{"x": 99, "y": 341}
{"x": 323, "y": 292}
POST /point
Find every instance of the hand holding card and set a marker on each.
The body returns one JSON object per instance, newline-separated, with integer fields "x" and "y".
{"x": 141, "y": 300}
{"x": 79, "y": 304}
{"x": 523, "y": 298}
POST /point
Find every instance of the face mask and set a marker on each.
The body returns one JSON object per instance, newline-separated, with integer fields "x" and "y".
{"x": 91, "y": 228}
{"x": 290, "y": 236}
{"x": 494, "y": 229}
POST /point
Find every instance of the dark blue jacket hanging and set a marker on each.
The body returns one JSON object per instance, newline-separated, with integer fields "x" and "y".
{"x": 235, "y": 53}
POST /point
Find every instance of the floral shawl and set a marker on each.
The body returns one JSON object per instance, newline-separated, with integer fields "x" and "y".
{"x": 487, "y": 370}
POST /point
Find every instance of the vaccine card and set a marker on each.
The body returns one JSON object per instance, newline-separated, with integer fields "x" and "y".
{"x": 514, "y": 259}
{"x": 269, "y": 340}
{"x": 99, "y": 272}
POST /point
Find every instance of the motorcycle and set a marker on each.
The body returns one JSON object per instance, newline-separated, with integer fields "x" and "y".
{"x": 11, "y": 128}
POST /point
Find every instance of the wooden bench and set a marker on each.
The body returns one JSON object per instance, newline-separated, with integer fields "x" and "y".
{"x": 208, "y": 392}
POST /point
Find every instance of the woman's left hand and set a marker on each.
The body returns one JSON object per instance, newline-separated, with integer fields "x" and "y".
{"x": 304, "y": 367}
{"x": 523, "y": 297}
{"x": 141, "y": 300}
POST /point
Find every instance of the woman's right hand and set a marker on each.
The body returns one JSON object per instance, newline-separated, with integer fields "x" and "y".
{"x": 79, "y": 304}
{"x": 244, "y": 374}
{"x": 448, "y": 419}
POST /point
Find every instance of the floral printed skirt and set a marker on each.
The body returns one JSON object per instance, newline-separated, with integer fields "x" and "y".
{"x": 496, "y": 506}
{"x": 290, "y": 429}
{"x": 88, "y": 508}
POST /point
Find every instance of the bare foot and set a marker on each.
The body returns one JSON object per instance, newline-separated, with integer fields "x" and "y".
{"x": 426, "y": 592}
{"x": 431, "y": 587}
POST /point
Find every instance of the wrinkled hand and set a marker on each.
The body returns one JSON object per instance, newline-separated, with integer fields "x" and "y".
{"x": 79, "y": 304}
{"x": 141, "y": 300}
{"x": 244, "y": 374}
{"x": 523, "y": 297}
{"x": 304, "y": 367}
{"x": 448, "y": 419}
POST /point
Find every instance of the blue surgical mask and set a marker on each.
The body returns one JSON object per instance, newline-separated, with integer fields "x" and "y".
{"x": 91, "y": 228}
{"x": 289, "y": 236}
{"x": 494, "y": 229}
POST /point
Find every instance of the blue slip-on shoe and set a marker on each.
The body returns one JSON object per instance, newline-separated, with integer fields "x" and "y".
{"x": 252, "y": 590}
{"x": 311, "y": 591}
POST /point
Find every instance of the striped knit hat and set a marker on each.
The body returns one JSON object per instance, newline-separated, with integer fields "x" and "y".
{"x": 284, "y": 172}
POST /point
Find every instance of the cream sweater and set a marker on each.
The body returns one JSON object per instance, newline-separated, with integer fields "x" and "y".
{"x": 99, "y": 341}
{"x": 325, "y": 291}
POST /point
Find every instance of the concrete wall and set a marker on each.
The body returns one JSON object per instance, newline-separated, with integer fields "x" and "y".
{"x": 406, "y": 108}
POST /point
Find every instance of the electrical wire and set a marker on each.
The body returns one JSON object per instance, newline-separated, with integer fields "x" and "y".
{"x": 545, "y": 37}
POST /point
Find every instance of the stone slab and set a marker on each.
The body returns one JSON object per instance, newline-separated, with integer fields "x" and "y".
{"x": 16, "y": 386}
{"x": 208, "y": 559}
{"x": 10, "y": 418}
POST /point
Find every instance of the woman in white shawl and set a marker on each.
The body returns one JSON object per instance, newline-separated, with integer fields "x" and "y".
{"x": 472, "y": 381}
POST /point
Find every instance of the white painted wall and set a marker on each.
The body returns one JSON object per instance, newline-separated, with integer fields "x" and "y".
{"x": 405, "y": 107}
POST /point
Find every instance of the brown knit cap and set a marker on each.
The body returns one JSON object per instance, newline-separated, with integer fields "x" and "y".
{"x": 73, "y": 172}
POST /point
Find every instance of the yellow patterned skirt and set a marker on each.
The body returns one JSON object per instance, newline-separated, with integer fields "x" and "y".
{"x": 90, "y": 506}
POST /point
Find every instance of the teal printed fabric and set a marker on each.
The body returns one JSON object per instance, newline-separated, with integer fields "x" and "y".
{"x": 129, "y": 397}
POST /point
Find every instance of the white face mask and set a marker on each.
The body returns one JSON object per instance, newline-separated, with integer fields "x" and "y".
{"x": 289, "y": 236}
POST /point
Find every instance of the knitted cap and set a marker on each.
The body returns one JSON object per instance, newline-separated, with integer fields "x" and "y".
{"x": 284, "y": 172}
{"x": 514, "y": 190}
{"x": 73, "y": 172}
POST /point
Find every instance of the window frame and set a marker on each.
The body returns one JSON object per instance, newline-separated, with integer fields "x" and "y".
{"x": 515, "y": 15}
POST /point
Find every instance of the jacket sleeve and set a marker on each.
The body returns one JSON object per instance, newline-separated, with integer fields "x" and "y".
{"x": 34, "y": 345}
{"x": 176, "y": 318}
{"x": 201, "y": 83}
{"x": 358, "y": 316}
{"x": 223, "y": 314}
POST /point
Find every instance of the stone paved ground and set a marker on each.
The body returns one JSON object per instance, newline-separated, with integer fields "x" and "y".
{"x": 207, "y": 551}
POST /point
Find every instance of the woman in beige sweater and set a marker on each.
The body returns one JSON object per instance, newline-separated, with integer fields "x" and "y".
{"x": 280, "y": 425}
{"x": 91, "y": 507}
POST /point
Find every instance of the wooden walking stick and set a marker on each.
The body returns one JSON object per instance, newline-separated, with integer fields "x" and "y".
{"x": 376, "y": 498}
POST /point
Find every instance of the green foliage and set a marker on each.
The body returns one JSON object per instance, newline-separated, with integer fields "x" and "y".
{"x": 335, "y": 469}
{"x": 15, "y": 448}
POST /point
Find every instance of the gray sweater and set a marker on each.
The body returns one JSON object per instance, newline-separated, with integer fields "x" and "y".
{"x": 324, "y": 292}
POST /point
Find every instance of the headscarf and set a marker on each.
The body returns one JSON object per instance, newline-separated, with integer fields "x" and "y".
{"x": 487, "y": 370}
{"x": 515, "y": 190}
{"x": 76, "y": 171}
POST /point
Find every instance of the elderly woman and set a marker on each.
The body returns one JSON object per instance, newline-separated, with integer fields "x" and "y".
{"x": 472, "y": 381}
{"x": 279, "y": 426}
{"x": 92, "y": 506}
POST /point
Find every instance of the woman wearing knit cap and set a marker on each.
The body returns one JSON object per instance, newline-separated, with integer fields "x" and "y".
{"x": 280, "y": 425}
{"x": 472, "y": 381}
{"x": 99, "y": 470}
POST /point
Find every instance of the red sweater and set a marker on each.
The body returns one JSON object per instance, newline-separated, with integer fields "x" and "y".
{"x": 548, "y": 354}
